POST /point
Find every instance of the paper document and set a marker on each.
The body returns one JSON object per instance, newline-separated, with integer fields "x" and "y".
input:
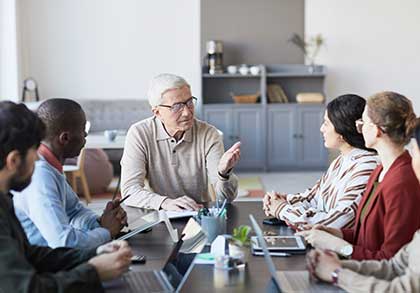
{"x": 183, "y": 214}
{"x": 194, "y": 238}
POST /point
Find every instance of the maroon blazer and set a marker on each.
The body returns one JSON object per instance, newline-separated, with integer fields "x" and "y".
{"x": 393, "y": 214}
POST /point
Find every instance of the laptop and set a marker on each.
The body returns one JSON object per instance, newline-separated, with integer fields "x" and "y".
{"x": 288, "y": 281}
{"x": 177, "y": 268}
{"x": 169, "y": 279}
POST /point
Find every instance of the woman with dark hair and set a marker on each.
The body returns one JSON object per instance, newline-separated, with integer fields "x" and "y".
{"x": 388, "y": 215}
{"x": 334, "y": 199}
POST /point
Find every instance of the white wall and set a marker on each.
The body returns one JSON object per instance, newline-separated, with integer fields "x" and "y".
{"x": 371, "y": 45}
{"x": 8, "y": 51}
{"x": 109, "y": 49}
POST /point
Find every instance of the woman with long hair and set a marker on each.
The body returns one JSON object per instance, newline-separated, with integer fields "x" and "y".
{"x": 388, "y": 215}
{"x": 333, "y": 200}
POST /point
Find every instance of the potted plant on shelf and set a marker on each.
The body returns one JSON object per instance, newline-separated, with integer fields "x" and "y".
{"x": 239, "y": 243}
{"x": 310, "y": 48}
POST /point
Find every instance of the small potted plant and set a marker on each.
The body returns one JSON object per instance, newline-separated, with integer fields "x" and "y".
{"x": 310, "y": 48}
{"x": 239, "y": 243}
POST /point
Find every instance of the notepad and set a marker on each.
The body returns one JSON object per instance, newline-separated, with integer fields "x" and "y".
{"x": 205, "y": 259}
{"x": 183, "y": 214}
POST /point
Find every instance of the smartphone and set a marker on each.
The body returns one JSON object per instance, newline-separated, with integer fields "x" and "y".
{"x": 274, "y": 222}
{"x": 138, "y": 259}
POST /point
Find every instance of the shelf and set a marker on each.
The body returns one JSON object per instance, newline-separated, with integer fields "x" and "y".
{"x": 227, "y": 75}
{"x": 296, "y": 74}
{"x": 232, "y": 105}
{"x": 295, "y": 70}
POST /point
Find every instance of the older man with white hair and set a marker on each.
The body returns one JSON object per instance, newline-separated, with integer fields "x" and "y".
{"x": 178, "y": 154}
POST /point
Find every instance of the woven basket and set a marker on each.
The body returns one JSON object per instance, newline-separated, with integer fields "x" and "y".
{"x": 245, "y": 99}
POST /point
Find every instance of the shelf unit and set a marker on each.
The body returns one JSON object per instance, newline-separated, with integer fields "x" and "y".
{"x": 265, "y": 145}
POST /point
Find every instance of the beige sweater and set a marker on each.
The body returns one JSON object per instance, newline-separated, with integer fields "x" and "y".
{"x": 172, "y": 169}
{"x": 399, "y": 274}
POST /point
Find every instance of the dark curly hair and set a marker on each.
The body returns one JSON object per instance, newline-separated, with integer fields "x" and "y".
{"x": 20, "y": 129}
{"x": 343, "y": 112}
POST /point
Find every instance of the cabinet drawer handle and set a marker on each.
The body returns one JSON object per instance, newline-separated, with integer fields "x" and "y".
{"x": 295, "y": 135}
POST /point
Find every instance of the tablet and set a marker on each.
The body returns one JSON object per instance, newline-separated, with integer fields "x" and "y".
{"x": 141, "y": 223}
{"x": 280, "y": 243}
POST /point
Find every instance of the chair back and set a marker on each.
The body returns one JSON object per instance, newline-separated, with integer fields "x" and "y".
{"x": 81, "y": 159}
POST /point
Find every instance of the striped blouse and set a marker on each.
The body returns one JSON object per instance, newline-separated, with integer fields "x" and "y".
{"x": 334, "y": 199}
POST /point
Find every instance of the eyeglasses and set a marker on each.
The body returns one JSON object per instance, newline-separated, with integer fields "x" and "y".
{"x": 178, "y": 107}
{"x": 360, "y": 123}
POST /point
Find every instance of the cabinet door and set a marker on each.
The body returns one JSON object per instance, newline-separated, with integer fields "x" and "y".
{"x": 281, "y": 140}
{"x": 312, "y": 152}
{"x": 249, "y": 129}
{"x": 221, "y": 118}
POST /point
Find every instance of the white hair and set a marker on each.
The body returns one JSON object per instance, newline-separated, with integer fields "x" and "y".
{"x": 162, "y": 83}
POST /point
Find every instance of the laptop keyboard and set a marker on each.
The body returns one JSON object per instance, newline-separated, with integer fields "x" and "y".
{"x": 143, "y": 282}
{"x": 298, "y": 281}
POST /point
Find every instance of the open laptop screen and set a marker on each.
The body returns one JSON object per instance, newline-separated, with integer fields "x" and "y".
{"x": 178, "y": 265}
{"x": 267, "y": 255}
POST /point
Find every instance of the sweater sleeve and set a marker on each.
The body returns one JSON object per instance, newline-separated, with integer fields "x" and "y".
{"x": 54, "y": 215}
{"x": 343, "y": 190}
{"x": 354, "y": 282}
{"x": 297, "y": 205}
{"x": 381, "y": 269}
{"x": 399, "y": 274}
{"x": 133, "y": 173}
{"x": 226, "y": 188}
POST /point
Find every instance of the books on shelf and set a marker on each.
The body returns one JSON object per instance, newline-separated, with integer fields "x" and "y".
{"x": 275, "y": 94}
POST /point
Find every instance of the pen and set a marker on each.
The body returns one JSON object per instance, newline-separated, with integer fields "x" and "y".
{"x": 222, "y": 207}
{"x": 122, "y": 200}
{"x": 280, "y": 254}
{"x": 272, "y": 253}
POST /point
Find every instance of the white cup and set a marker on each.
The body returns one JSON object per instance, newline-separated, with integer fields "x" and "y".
{"x": 111, "y": 135}
{"x": 232, "y": 69}
{"x": 244, "y": 69}
{"x": 255, "y": 70}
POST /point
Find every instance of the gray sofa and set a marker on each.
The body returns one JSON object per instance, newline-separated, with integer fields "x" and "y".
{"x": 114, "y": 114}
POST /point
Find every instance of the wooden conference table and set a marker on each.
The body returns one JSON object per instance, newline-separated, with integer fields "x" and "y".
{"x": 157, "y": 244}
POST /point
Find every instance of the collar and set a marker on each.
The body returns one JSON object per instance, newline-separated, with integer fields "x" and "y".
{"x": 6, "y": 200}
{"x": 48, "y": 155}
{"x": 163, "y": 135}
{"x": 357, "y": 153}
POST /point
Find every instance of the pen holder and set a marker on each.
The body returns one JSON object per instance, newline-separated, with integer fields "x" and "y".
{"x": 213, "y": 226}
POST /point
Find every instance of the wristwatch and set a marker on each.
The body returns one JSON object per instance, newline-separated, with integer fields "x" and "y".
{"x": 334, "y": 276}
{"x": 346, "y": 250}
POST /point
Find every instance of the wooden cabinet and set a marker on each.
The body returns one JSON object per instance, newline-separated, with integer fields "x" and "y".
{"x": 274, "y": 136}
{"x": 293, "y": 137}
{"x": 281, "y": 136}
{"x": 311, "y": 150}
{"x": 242, "y": 123}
